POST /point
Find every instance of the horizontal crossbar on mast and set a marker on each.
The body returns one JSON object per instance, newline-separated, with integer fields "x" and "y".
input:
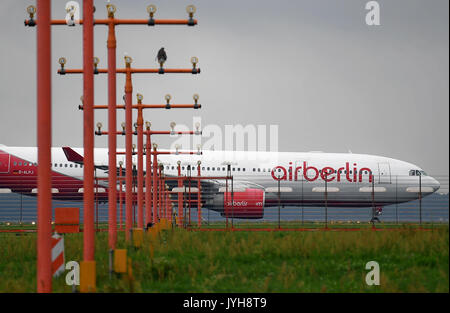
{"x": 124, "y": 22}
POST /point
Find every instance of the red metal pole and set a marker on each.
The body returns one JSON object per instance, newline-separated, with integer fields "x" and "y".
{"x": 88, "y": 134}
{"x": 44, "y": 140}
{"x": 120, "y": 196}
{"x": 140, "y": 164}
{"x": 112, "y": 140}
{"x": 96, "y": 204}
{"x": 160, "y": 201}
{"x": 180, "y": 197}
{"x": 199, "y": 197}
{"x": 129, "y": 154}
{"x": 168, "y": 205}
{"x": 155, "y": 186}
{"x": 148, "y": 181}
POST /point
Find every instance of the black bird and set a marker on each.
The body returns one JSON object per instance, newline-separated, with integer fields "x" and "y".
{"x": 162, "y": 56}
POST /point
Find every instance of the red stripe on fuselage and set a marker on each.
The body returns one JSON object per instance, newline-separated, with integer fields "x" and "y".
{"x": 23, "y": 179}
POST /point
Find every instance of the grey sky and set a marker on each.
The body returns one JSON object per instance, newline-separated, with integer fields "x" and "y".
{"x": 315, "y": 68}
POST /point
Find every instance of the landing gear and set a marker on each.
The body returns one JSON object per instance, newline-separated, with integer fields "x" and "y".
{"x": 375, "y": 213}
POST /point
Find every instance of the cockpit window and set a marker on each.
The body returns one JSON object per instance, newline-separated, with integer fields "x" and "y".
{"x": 417, "y": 173}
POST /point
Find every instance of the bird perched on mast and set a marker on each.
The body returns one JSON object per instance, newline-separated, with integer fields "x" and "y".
{"x": 161, "y": 57}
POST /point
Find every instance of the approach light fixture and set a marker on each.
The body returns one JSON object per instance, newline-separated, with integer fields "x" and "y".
{"x": 194, "y": 61}
{"x": 148, "y": 125}
{"x": 128, "y": 60}
{"x": 71, "y": 11}
{"x": 196, "y": 97}
{"x": 172, "y": 128}
{"x": 151, "y": 10}
{"x": 123, "y": 127}
{"x": 177, "y": 148}
{"x": 62, "y": 61}
{"x": 99, "y": 127}
{"x": 190, "y": 9}
{"x": 199, "y": 148}
{"x": 139, "y": 97}
{"x": 197, "y": 128}
{"x": 168, "y": 97}
{"x": 111, "y": 8}
{"x": 96, "y": 62}
{"x": 31, "y": 10}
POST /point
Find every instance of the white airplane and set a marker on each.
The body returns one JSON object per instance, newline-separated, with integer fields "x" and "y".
{"x": 260, "y": 179}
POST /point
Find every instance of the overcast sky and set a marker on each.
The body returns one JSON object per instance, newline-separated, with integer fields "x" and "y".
{"x": 314, "y": 68}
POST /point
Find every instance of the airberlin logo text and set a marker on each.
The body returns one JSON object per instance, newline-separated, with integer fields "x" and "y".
{"x": 329, "y": 174}
{"x": 242, "y": 203}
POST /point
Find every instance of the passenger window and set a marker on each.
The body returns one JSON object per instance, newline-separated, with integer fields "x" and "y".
{"x": 259, "y": 170}
{"x": 243, "y": 169}
{"x": 70, "y": 165}
{"x": 20, "y": 163}
{"x": 65, "y": 165}
{"x": 213, "y": 168}
{"x": 207, "y": 168}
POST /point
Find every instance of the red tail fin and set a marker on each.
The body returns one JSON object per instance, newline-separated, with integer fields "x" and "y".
{"x": 72, "y": 156}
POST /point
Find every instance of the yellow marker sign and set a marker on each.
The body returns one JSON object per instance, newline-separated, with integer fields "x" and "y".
{"x": 138, "y": 237}
{"x": 120, "y": 260}
{"x": 87, "y": 276}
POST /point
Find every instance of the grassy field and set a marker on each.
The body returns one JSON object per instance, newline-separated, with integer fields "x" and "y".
{"x": 410, "y": 261}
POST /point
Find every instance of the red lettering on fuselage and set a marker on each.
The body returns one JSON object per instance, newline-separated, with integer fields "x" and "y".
{"x": 327, "y": 173}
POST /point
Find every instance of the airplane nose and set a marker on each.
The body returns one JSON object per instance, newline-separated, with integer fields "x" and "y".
{"x": 435, "y": 184}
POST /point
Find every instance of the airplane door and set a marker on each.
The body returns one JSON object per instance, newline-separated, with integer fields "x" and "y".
{"x": 384, "y": 173}
{"x": 4, "y": 163}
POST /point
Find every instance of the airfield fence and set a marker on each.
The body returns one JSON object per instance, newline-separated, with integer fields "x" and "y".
{"x": 19, "y": 208}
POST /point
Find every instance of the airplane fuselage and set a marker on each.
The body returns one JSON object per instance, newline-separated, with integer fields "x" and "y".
{"x": 311, "y": 179}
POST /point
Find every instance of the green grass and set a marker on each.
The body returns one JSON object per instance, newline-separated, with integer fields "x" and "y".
{"x": 410, "y": 261}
